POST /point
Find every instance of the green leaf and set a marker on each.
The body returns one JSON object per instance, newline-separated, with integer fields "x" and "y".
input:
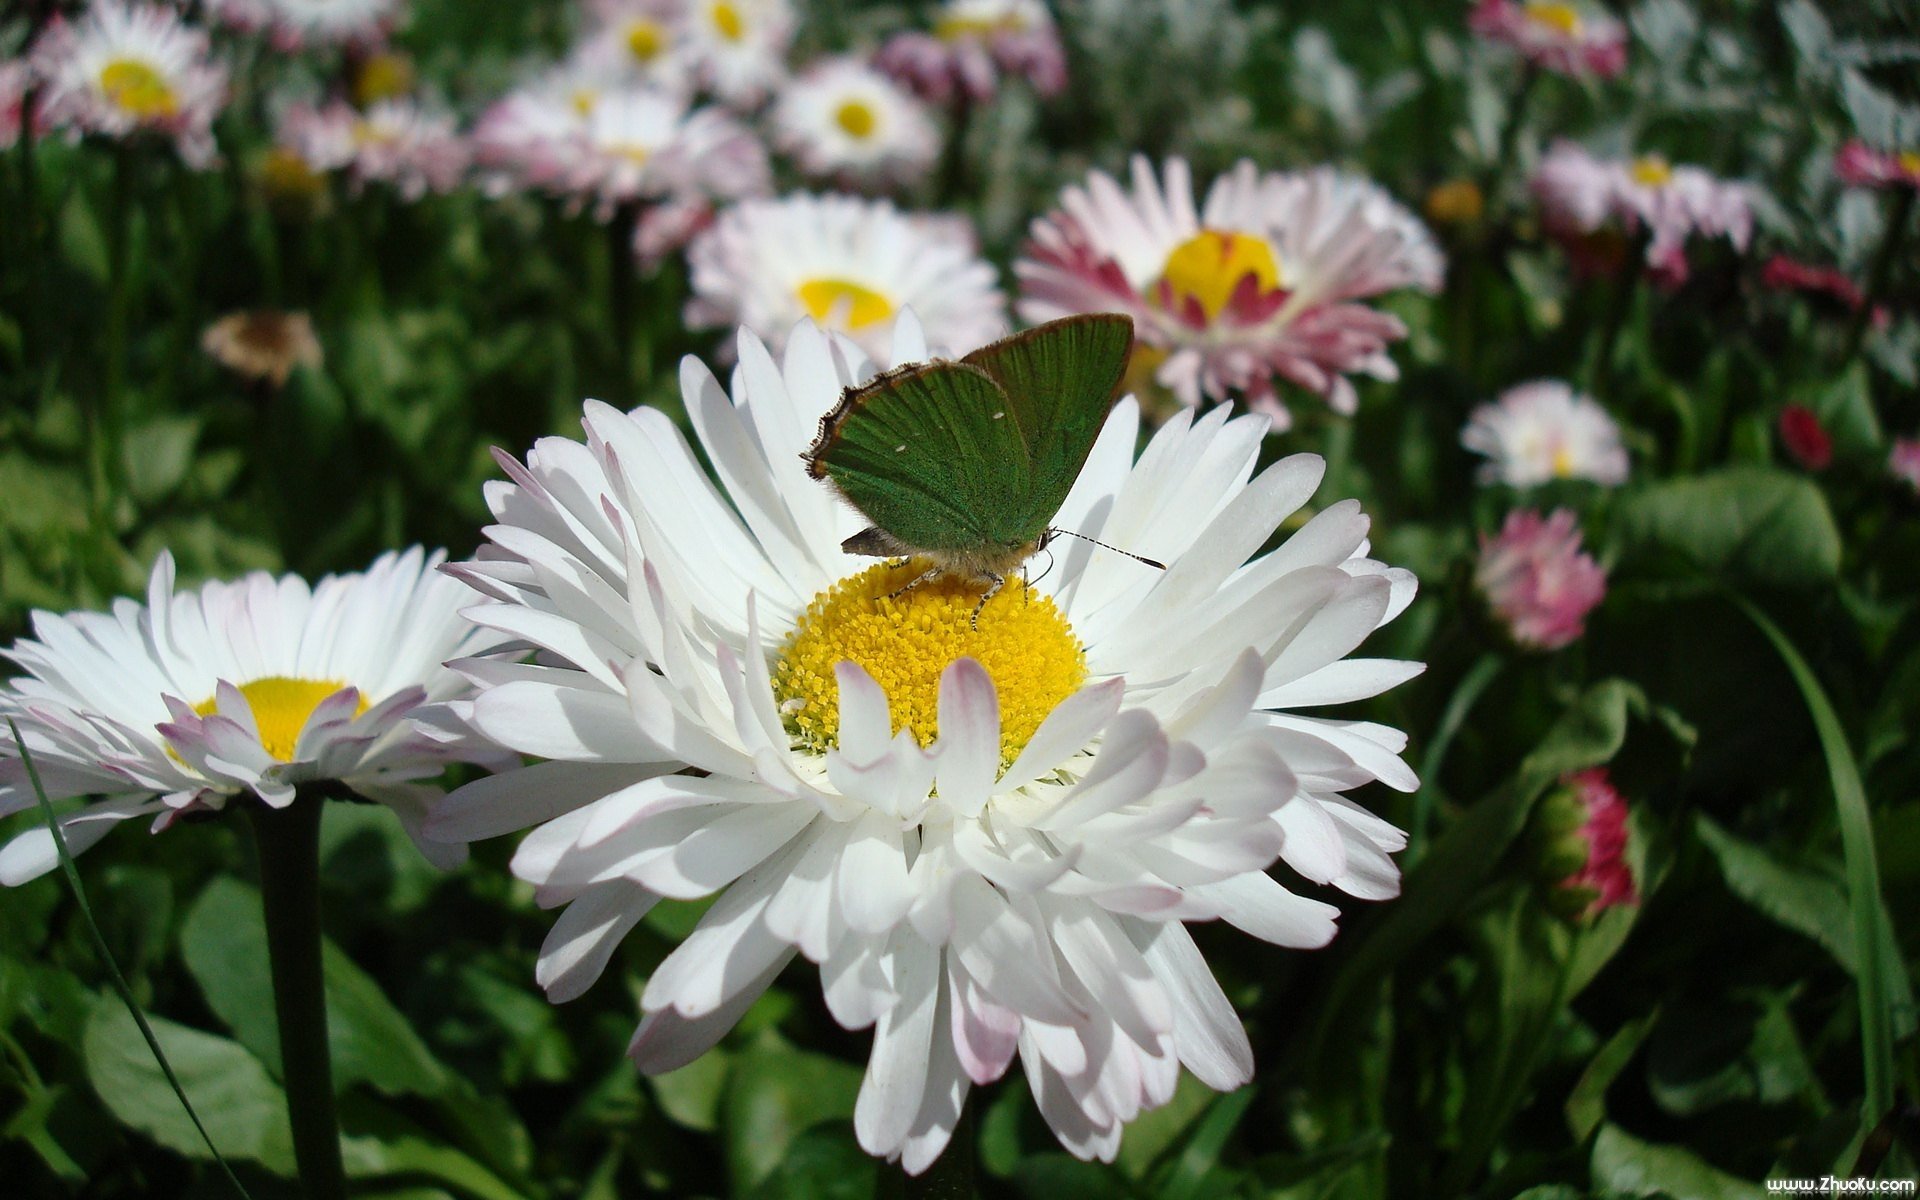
{"x": 1746, "y": 523}
{"x": 1623, "y": 1163}
{"x": 1844, "y": 405}
{"x": 1811, "y": 903}
{"x": 692, "y": 1095}
{"x": 774, "y": 1093}
{"x": 224, "y": 943}
{"x": 243, "y": 1107}
{"x": 157, "y": 455}
{"x": 824, "y": 1163}
{"x": 1586, "y": 1105}
{"x": 373, "y": 1157}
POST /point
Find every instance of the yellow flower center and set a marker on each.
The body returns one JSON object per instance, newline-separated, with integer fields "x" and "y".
{"x": 583, "y": 99}
{"x": 285, "y": 176}
{"x": 633, "y": 152}
{"x": 857, "y": 118}
{"x": 282, "y": 705}
{"x": 906, "y": 641}
{"x": 1651, "y": 171}
{"x": 646, "y": 39}
{"x": 1210, "y": 265}
{"x": 1562, "y": 463}
{"x": 859, "y": 305}
{"x": 1910, "y": 161}
{"x": 958, "y": 28}
{"x": 382, "y": 77}
{"x": 1562, "y": 18}
{"x": 366, "y": 133}
{"x": 727, "y": 19}
{"x": 138, "y": 89}
{"x": 1455, "y": 202}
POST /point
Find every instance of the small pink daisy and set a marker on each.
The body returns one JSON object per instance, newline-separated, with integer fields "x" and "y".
{"x": 1568, "y": 39}
{"x": 972, "y": 44}
{"x": 1904, "y": 462}
{"x": 1538, "y": 581}
{"x": 121, "y": 70}
{"x": 1580, "y": 195}
{"x": 1861, "y": 165}
{"x": 1586, "y": 826}
{"x": 395, "y": 142}
{"x": 1260, "y": 284}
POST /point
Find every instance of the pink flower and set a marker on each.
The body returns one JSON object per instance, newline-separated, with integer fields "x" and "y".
{"x": 126, "y": 69}
{"x": 1786, "y": 274}
{"x": 1904, "y": 462}
{"x": 1580, "y": 196}
{"x": 1805, "y": 438}
{"x": 1862, "y": 166}
{"x": 1537, "y": 580}
{"x": 972, "y": 44}
{"x": 1584, "y": 830}
{"x": 397, "y": 142}
{"x": 1564, "y": 38}
{"x": 1260, "y": 284}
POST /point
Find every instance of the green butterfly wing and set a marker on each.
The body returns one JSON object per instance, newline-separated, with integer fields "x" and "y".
{"x": 1061, "y": 379}
{"x": 933, "y": 454}
{"x": 977, "y": 454}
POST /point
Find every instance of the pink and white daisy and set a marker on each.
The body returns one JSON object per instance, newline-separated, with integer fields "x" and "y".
{"x": 240, "y": 691}
{"x": 739, "y": 47}
{"x": 842, "y": 120}
{"x": 639, "y": 41}
{"x": 849, "y": 264}
{"x": 307, "y": 24}
{"x": 1260, "y": 285}
{"x": 1568, "y": 39}
{"x": 972, "y": 43}
{"x": 1544, "y": 430}
{"x": 413, "y": 149}
{"x": 1861, "y": 165}
{"x": 1537, "y": 580}
{"x": 1580, "y": 195}
{"x": 127, "y": 69}
{"x": 1903, "y": 462}
{"x": 619, "y": 146}
{"x": 988, "y": 838}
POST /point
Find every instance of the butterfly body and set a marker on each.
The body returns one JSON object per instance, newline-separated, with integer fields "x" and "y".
{"x": 964, "y": 462}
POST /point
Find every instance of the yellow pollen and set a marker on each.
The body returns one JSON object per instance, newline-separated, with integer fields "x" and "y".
{"x": 282, "y": 705}
{"x": 583, "y": 100}
{"x": 1455, "y": 202}
{"x": 861, "y": 305}
{"x": 1909, "y": 161}
{"x": 953, "y": 29}
{"x": 286, "y": 176}
{"x": 1562, "y": 463}
{"x": 1209, "y": 265}
{"x": 727, "y": 19}
{"x": 1651, "y": 171}
{"x": 138, "y": 89}
{"x": 906, "y": 641}
{"x": 857, "y": 118}
{"x": 366, "y": 133}
{"x": 383, "y": 76}
{"x": 633, "y": 152}
{"x": 646, "y": 39}
{"x": 1563, "y": 18}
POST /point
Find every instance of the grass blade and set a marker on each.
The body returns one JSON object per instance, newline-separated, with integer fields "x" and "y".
{"x": 120, "y": 986}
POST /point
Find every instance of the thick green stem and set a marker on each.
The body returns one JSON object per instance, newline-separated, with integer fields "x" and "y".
{"x": 953, "y": 168}
{"x": 289, "y": 845}
{"x": 108, "y": 414}
{"x": 1888, "y": 254}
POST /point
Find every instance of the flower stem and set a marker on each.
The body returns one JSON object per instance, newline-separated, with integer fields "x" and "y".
{"x": 1883, "y": 260}
{"x": 29, "y": 223}
{"x": 1466, "y": 694}
{"x": 109, "y": 414}
{"x": 289, "y": 845}
{"x": 1620, "y": 304}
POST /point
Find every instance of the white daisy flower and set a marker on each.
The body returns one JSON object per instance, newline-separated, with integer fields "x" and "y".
{"x": 988, "y": 838}
{"x": 254, "y": 687}
{"x": 1545, "y": 430}
{"x": 1260, "y": 284}
{"x": 850, "y": 264}
{"x": 399, "y": 142}
{"x": 739, "y": 47}
{"x": 641, "y": 41}
{"x": 302, "y": 24}
{"x": 1581, "y": 196}
{"x": 123, "y": 69}
{"x": 845, "y": 121}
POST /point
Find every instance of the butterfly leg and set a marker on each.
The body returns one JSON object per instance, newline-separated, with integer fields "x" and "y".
{"x": 924, "y": 576}
{"x": 993, "y": 589}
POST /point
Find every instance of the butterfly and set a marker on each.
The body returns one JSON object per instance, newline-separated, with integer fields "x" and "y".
{"x": 964, "y": 462}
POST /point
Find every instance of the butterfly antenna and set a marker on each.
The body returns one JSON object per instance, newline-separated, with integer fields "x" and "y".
{"x": 1051, "y": 562}
{"x": 1152, "y": 562}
